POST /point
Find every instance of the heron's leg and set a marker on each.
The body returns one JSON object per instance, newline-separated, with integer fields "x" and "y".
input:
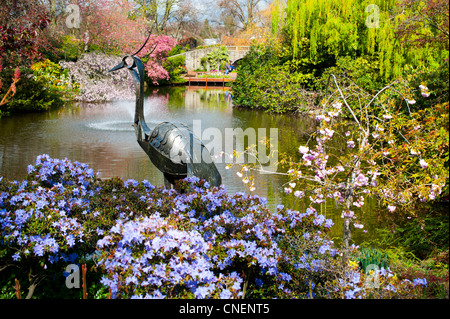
{"x": 167, "y": 184}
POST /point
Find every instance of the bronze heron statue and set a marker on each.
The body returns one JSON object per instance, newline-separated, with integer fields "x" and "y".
{"x": 172, "y": 148}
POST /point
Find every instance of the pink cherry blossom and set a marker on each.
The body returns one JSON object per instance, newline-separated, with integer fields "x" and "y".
{"x": 347, "y": 214}
{"x": 361, "y": 180}
{"x": 423, "y": 164}
{"x": 303, "y": 149}
{"x": 299, "y": 194}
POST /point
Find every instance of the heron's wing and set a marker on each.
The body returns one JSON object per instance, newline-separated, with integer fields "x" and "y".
{"x": 177, "y": 143}
{"x": 200, "y": 162}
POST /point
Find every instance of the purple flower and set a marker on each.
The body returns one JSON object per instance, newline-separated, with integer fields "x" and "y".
{"x": 351, "y": 293}
{"x": 225, "y": 294}
{"x": 38, "y": 250}
{"x": 328, "y": 223}
{"x": 420, "y": 281}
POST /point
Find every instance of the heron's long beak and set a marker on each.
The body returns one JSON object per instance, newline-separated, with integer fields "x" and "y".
{"x": 118, "y": 66}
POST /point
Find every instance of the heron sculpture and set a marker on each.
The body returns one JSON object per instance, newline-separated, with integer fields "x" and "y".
{"x": 172, "y": 148}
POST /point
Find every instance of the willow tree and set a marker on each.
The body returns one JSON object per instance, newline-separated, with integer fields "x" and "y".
{"x": 323, "y": 30}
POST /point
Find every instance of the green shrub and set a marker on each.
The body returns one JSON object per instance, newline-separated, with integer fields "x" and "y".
{"x": 273, "y": 90}
{"x": 54, "y": 76}
{"x": 34, "y": 95}
{"x": 370, "y": 256}
{"x": 176, "y": 68}
{"x": 218, "y": 57}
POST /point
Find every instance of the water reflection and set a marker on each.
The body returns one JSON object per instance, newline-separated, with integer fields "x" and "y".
{"x": 102, "y": 136}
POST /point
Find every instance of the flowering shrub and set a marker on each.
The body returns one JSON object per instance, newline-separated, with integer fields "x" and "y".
{"x": 39, "y": 215}
{"x": 95, "y": 83}
{"x": 53, "y": 75}
{"x": 374, "y": 284}
{"x": 386, "y": 152}
{"x": 155, "y": 56}
{"x": 236, "y": 241}
{"x": 157, "y": 243}
{"x": 152, "y": 258}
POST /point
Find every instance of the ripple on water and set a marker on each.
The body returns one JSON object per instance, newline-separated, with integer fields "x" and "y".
{"x": 114, "y": 126}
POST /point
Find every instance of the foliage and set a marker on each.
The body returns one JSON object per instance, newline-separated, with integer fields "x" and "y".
{"x": 34, "y": 95}
{"x": 71, "y": 48}
{"x": 218, "y": 57}
{"x": 427, "y": 25}
{"x": 425, "y": 236}
{"x": 153, "y": 242}
{"x": 21, "y": 27}
{"x": 175, "y": 67}
{"x": 324, "y": 30}
{"x": 54, "y": 76}
{"x": 264, "y": 83}
{"x": 363, "y": 71}
{"x": 273, "y": 90}
{"x": 372, "y": 257}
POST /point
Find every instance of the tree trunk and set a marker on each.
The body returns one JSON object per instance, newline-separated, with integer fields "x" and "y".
{"x": 346, "y": 237}
{"x": 33, "y": 280}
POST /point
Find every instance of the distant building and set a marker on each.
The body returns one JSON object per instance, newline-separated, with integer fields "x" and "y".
{"x": 211, "y": 41}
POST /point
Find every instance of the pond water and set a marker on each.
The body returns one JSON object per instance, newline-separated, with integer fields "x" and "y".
{"x": 102, "y": 136}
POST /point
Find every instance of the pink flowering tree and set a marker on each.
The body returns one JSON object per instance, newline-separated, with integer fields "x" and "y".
{"x": 155, "y": 54}
{"x": 106, "y": 26}
{"x": 372, "y": 146}
{"x": 385, "y": 152}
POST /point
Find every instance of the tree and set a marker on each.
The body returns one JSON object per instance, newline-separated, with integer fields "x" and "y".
{"x": 155, "y": 55}
{"x": 185, "y": 21}
{"x": 157, "y": 12}
{"x": 321, "y": 31}
{"x": 239, "y": 13}
{"x": 21, "y": 26}
{"x": 383, "y": 150}
{"x": 206, "y": 32}
{"x": 426, "y": 23}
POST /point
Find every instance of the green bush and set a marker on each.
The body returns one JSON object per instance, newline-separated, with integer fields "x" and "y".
{"x": 218, "y": 57}
{"x": 269, "y": 80}
{"x": 34, "y": 95}
{"x": 272, "y": 89}
{"x": 176, "y": 68}
{"x": 370, "y": 256}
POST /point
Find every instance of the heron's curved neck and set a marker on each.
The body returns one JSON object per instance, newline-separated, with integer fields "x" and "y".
{"x": 139, "y": 119}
